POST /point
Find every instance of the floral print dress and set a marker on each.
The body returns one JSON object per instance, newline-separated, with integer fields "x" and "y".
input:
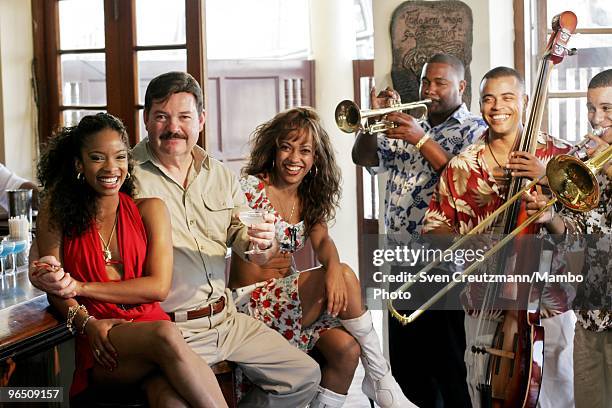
{"x": 276, "y": 302}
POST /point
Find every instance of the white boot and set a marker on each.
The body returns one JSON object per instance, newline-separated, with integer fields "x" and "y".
{"x": 378, "y": 383}
{"x": 327, "y": 399}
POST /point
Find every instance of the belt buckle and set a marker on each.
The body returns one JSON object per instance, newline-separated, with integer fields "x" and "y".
{"x": 212, "y": 310}
{"x": 212, "y": 307}
{"x": 180, "y": 317}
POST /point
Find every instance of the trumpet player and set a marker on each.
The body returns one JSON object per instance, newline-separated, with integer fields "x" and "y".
{"x": 413, "y": 154}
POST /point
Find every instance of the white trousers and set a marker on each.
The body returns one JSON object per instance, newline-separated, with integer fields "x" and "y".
{"x": 557, "y": 389}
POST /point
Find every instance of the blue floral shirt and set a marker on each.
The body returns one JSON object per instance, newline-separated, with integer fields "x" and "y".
{"x": 411, "y": 179}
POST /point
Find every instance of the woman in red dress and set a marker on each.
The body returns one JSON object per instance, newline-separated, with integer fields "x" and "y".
{"x": 114, "y": 256}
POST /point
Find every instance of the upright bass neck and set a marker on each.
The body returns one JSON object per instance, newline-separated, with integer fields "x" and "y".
{"x": 563, "y": 25}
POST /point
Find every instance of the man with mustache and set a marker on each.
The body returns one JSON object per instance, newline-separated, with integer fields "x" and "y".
{"x": 413, "y": 154}
{"x": 204, "y": 200}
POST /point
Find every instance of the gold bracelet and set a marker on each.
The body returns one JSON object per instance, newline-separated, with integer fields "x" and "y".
{"x": 72, "y": 312}
{"x": 82, "y": 331}
{"x": 422, "y": 141}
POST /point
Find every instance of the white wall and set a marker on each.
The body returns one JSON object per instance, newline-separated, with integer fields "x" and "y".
{"x": 333, "y": 48}
{"x": 17, "y": 112}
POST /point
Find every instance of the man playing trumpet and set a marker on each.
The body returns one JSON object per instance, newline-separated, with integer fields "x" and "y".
{"x": 413, "y": 153}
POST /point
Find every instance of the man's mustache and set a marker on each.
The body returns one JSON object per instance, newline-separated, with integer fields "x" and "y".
{"x": 171, "y": 135}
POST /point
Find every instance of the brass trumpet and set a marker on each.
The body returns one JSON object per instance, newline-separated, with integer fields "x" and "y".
{"x": 572, "y": 182}
{"x": 349, "y": 116}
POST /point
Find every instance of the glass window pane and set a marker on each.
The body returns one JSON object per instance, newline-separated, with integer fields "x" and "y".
{"x": 590, "y": 13}
{"x": 72, "y": 117}
{"x": 78, "y": 31}
{"x": 142, "y": 131}
{"x": 364, "y": 29}
{"x": 160, "y": 22}
{"x": 83, "y": 79}
{"x": 365, "y": 84}
{"x": 589, "y": 41}
{"x": 154, "y": 63}
{"x": 575, "y": 72}
{"x": 567, "y": 118}
{"x": 370, "y": 195}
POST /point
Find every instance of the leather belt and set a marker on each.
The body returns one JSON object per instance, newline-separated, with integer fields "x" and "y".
{"x": 209, "y": 310}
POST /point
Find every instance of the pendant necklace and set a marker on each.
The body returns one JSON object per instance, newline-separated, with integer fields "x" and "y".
{"x": 106, "y": 246}
{"x": 291, "y": 230}
{"x": 283, "y": 209}
{"x": 292, "y": 208}
{"x": 505, "y": 170}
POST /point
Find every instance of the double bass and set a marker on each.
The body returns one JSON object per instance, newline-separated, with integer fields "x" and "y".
{"x": 513, "y": 373}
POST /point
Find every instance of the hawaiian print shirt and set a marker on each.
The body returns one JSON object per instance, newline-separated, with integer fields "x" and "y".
{"x": 468, "y": 193}
{"x": 291, "y": 237}
{"x": 594, "y": 295}
{"x": 411, "y": 178}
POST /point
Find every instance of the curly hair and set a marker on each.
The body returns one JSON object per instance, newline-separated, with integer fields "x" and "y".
{"x": 320, "y": 190}
{"x": 72, "y": 203}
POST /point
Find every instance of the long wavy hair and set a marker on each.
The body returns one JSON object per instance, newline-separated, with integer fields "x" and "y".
{"x": 72, "y": 203}
{"x": 320, "y": 190}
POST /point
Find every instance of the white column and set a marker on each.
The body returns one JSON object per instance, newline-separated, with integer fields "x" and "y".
{"x": 17, "y": 111}
{"x": 333, "y": 48}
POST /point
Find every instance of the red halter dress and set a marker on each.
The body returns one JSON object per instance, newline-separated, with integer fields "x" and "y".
{"x": 84, "y": 260}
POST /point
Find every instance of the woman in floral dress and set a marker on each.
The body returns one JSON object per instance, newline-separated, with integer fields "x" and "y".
{"x": 292, "y": 173}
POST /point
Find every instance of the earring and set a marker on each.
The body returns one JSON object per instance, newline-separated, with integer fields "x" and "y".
{"x": 79, "y": 176}
{"x": 315, "y": 171}
{"x": 273, "y": 164}
{"x": 127, "y": 177}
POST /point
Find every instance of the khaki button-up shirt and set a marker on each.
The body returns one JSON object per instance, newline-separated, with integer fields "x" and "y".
{"x": 205, "y": 223}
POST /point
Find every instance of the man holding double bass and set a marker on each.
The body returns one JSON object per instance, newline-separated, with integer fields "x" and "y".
{"x": 473, "y": 185}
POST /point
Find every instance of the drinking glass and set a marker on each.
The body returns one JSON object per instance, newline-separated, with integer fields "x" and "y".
{"x": 21, "y": 246}
{"x": 249, "y": 218}
{"x": 7, "y": 248}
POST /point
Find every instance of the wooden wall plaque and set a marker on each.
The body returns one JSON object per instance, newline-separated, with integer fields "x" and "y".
{"x": 421, "y": 29}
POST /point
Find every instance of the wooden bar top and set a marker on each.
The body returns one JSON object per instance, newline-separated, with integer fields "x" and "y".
{"x": 26, "y": 324}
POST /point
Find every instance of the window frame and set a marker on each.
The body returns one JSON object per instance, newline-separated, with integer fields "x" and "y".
{"x": 531, "y": 31}
{"x": 120, "y": 50}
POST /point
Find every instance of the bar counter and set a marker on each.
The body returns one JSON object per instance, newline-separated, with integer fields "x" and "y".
{"x": 27, "y": 325}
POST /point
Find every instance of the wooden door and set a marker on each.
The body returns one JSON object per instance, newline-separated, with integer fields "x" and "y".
{"x": 243, "y": 94}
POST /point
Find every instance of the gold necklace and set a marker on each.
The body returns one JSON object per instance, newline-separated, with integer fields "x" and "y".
{"x": 292, "y": 208}
{"x": 281, "y": 207}
{"x": 106, "y": 246}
